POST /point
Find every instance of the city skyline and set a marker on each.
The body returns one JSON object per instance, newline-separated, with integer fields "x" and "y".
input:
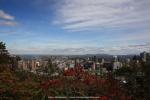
{"x": 75, "y": 26}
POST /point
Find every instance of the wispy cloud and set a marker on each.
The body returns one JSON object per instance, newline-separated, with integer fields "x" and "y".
{"x": 7, "y": 31}
{"x": 8, "y": 23}
{"x": 6, "y": 16}
{"x": 88, "y": 14}
{"x": 7, "y": 19}
{"x": 132, "y": 37}
{"x": 54, "y": 47}
{"x": 83, "y": 50}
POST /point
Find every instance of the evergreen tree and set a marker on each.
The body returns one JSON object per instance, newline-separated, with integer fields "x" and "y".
{"x": 50, "y": 67}
{"x": 4, "y": 55}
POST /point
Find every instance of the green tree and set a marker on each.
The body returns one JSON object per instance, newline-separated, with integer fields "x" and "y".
{"x": 4, "y": 55}
{"x": 50, "y": 69}
{"x": 145, "y": 81}
{"x": 138, "y": 80}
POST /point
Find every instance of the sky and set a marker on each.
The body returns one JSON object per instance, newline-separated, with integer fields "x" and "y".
{"x": 75, "y": 26}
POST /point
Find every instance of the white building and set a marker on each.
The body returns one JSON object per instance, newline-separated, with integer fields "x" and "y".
{"x": 117, "y": 65}
{"x": 144, "y": 56}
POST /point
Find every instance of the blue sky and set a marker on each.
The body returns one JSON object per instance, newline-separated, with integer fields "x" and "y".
{"x": 75, "y": 26}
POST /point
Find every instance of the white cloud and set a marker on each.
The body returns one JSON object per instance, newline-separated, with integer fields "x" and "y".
{"x": 83, "y": 50}
{"x": 7, "y": 19}
{"x": 54, "y": 47}
{"x": 88, "y": 14}
{"x": 5, "y": 16}
{"x": 132, "y": 37}
{"x": 8, "y": 23}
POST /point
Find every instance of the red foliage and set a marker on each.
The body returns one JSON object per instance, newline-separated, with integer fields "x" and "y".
{"x": 89, "y": 79}
{"x": 104, "y": 98}
{"x": 49, "y": 83}
{"x": 109, "y": 86}
{"x": 78, "y": 70}
{"x": 70, "y": 72}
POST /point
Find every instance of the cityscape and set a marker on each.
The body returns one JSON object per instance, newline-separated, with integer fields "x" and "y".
{"x": 74, "y": 50}
{"x": 88, "y": 62}
{"x": 99, "y": 76}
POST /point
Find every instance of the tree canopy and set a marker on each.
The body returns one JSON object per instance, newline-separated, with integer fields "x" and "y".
{"x": 4, "y": 55}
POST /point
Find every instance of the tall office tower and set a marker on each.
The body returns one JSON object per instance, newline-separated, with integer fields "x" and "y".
{"x": 94, "y": 65}
{"x": 143, "y": 56}
{"x": 33, "y": 64}
{"x": 115, "y": 58}
{"x": 103, "y": 60}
